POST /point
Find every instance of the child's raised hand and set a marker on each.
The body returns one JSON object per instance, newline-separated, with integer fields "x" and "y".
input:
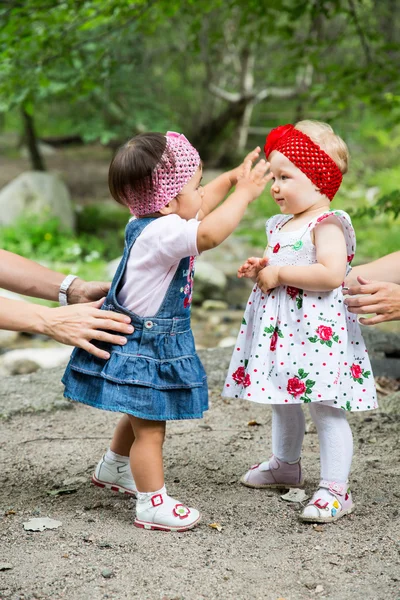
{"x": 237, "y": 173}
{"x": 268, "y": 279}
{"x": 254, "y": 179}
{"x": 252, "y": 267}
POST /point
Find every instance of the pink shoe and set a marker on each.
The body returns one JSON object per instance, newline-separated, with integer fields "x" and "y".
{"x": 274, "y": 474}
{"x": 326, "y": 511}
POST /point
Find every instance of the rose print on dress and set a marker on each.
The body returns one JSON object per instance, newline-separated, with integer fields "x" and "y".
{"x": 357, "y": 373}
{"x": 324, "y": 335}
{"x": 275, "y": 333}
{"x": 241, "y": 377}
{"x": 296, "y": 294}
{"x": 296, "y": 386}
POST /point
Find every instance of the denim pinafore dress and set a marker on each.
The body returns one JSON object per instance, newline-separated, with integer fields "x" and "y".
{"x": 157, "y": 375}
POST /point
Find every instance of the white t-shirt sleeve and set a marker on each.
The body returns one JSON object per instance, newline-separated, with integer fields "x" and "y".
{"x": 153, "y": 261}
{"x": 176, "y": 238}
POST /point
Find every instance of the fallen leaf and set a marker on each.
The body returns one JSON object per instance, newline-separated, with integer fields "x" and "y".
{"x": 319, "y": 528}
{"x": 41, "y": 524}
{"x": 9, "y": 512}
{"x": 253, "y": 423}
{"x": 216, "y": 526}
{"x": 5, "y": 566}
{"x": 295, "y": 495}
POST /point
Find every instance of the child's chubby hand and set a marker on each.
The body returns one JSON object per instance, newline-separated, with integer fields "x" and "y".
{"x": 251, "y": 267}
{"x": 254, "y": 179}
{"x": 237, "y": 173}
{"x": 268, "y": 278}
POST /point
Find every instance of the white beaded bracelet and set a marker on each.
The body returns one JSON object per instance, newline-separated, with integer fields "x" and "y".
{"x": 62, "y": 294}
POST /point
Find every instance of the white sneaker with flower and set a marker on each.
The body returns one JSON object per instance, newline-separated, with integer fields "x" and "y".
{"x": 114, "y": 475}
{"x": 158, "y": 511}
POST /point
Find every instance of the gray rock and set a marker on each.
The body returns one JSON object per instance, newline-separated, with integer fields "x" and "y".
{"x": 28, "y": 360}
{"x": 210, "y": 283}
{"x": 23, "y": 367}
{"x": 36, "y": 193}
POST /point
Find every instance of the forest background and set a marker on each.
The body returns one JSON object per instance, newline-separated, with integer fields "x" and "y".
{"x": 84, "y": 76}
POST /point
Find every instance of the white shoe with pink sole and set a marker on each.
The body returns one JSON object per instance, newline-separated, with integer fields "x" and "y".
{"x": 114, "y": 475}
{"x": 160, "y": 512}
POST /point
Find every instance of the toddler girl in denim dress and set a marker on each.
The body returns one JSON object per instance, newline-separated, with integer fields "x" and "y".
{"x": 157, "y": 376}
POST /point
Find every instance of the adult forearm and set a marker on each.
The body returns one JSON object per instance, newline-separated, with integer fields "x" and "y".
{"x": 16, "y": 315}
{"x": 315, "y": 278}
{"x": 386, "y": 268}
{"x": 24, "y": 276}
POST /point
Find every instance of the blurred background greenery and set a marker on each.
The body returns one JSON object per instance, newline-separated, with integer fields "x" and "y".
{"x": 81, "y": 77}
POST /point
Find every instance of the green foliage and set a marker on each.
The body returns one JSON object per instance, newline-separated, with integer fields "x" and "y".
{"x": 46, "y": 240}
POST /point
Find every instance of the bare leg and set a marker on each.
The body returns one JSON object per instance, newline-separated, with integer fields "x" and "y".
{"x": 123, "y": 437}
{"x": 146, "y": 459}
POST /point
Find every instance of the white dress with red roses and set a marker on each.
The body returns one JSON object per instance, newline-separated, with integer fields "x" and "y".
{"x": 297, "y": 346}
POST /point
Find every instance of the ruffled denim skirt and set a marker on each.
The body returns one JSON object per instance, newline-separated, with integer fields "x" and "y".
{"x": 157, "y": 375}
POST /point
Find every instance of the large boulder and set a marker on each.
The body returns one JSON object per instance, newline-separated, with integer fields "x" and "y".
{"x": 37, "y": 193}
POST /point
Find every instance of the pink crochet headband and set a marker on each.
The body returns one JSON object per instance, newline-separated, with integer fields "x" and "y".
{"x": 177, "y": 166}
{"x": 307, "y": 156}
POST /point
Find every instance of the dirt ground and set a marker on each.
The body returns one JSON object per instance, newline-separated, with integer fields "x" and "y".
{"x": 262, "y": 551}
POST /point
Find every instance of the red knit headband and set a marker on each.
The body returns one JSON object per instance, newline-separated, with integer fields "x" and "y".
{"x": 307, "y": 156}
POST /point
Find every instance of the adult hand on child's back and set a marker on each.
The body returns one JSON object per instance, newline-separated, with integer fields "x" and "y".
{"x": 78, "y": 325}
{"x": 252, "y": 266}
{"x": 238, "y": 173}
{"x": 380, "y": 298}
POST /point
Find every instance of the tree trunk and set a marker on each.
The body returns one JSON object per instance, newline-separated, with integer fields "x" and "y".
{"x": 31, "y": 141}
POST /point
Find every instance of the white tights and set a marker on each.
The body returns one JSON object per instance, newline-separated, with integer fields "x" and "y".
{"x": 334, "y": 433}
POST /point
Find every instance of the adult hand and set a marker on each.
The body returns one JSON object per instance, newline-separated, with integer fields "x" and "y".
{"x": 87, "y": 291}
{"x": 80, "y": 324}
{"x": 378, "y": 297}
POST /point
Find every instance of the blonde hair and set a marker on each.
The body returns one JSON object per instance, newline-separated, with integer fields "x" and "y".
{"x": 323, "y": 135}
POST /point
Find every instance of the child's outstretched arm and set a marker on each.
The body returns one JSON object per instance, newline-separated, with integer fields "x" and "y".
{"x": 218, "y": 188}
{"x": 220, "y": 223}
{"x": 327, "y": 274}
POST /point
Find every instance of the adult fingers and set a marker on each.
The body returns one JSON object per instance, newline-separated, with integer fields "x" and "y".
{"x": 365, "y": 310}
{"x": 369, "y": 288}
{"x": 110, "y": 324}
{"x": 92, "y": 349}
{"x": 108, "y": 314}
{"x": 109, "y": 338}
{"x": 374, "y": 320}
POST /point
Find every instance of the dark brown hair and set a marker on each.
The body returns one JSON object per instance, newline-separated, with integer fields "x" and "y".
{"x": 133, "y": 164}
